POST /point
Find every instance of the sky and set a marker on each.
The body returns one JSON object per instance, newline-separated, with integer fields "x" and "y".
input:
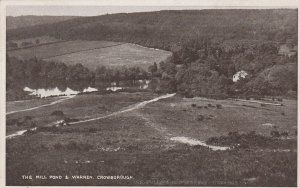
{"x": 85, "y": 10}
{"x": 21, "y": 10}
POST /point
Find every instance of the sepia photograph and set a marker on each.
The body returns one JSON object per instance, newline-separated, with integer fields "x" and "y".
{"x": 156, "y": 95}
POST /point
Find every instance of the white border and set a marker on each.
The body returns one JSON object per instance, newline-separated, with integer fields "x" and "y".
{"x": 207, "y": 4}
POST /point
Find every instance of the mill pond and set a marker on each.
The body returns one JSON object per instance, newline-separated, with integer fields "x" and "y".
{"x": 67, "y": 91}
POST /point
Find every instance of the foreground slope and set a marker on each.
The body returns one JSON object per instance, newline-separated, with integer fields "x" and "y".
{"x": 155, "y": 144}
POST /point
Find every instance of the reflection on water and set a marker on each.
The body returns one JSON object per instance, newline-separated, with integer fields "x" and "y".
{"x": 89, "y": 89}
{"x": 114, "y": 88}
{"x": 55, "y": 91}
{"x": 64, "y": 90}
{"x": 140, "y": 84}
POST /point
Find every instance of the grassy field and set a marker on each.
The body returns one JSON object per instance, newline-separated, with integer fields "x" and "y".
{"x": 94, "y": 53}
{"x": 121, "y": 55}
{"x": 25, "y": 104}
{"x": 56, "y": 49}
{"x": 139, "y": 143}
{"x": 42, "y": 40}
{"x": 92, "y": 106}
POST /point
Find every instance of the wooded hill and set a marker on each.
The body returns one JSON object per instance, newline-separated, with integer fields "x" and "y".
{"x": 163, "y": 28}
{"x": 26, "y": 21}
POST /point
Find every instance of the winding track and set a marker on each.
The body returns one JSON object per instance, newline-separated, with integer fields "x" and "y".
{"x": 180, "y": 139}
{"x": 44, "y": 105}
{"x": 130, "y": 108}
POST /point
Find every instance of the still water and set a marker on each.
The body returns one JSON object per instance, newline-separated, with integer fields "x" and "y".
{"x": 67, "y": 91}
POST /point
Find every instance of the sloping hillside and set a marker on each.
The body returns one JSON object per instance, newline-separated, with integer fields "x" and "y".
{"x": 25, "y": 21}
{"x": 162, "y": 28}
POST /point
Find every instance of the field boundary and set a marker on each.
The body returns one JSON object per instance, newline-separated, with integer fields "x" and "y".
{"x": 84, "y": 50}
{"x": 44, "y": 44}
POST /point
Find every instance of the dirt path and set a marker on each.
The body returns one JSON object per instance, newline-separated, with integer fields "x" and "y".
{"x": 128, "y": 109}
{"x": 176, "y": 137}
{"x": 44, "y": 105}
{"x": 162, "y": 130}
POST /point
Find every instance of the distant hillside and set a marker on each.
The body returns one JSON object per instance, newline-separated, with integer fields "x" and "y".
{"x": 25, "y": 21}
{"x": 209, "y": 46}
{"x": 162, "y": 28}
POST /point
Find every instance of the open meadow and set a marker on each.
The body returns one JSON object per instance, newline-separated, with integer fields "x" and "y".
{"x": 157, "y": 143}
{"x": 93, "y": 54}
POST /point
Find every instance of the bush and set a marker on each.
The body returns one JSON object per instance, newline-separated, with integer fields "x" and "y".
{"x": 219, "y": 106}
{"x": 209, "y": 105}
{"x": 200, "y": 117}
{"x": 68, "y": 120}
{"x": 237, "y": 140}
{"x": 52, "y": 129}
{"x": 200, "y": 107}
{"x": 284, "y": 134}
{"x": 193, "y": 105}
{"x": 27, "y": 118}
{"x": 275, "y": 134}
{"x": 282, "y": 113}
{"x": 92, "y": 130}
{"x": 72, "y": 146}
{"x": 10, "y": 122}
{"x": 57, "y": 113}
{"x": 26, "y": 121}
{"x": 58, "y": 146}
{"x": 86, "y": 147}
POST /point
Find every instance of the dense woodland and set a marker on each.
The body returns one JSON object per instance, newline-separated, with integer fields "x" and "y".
{"x": 209, "y": 47}
{"x": 46, "y": 74}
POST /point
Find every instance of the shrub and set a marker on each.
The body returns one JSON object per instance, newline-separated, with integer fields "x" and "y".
{"x": 57, "y": 113}
{"x": 279, "y": 99}
{"x": 193, "y": 105}
{"x": 26, "y": 121}
{"x": 282, "y": 113}
{"x": 205, "y": 107}
{"x": 43, "y": 147}
{"x": 68, "y": 120}
{"x": 275, "y": 133}
{"x": 11, "y": 122}
{"x": 262, "y": 105}
{"x": 58, "y": 146}
{"x": 27, "y": 118}
{"x": 92, "y": 130}
{"x": 72, "y": 146}
{"x": 200, "y": 107}
{"x": 209, "y": 105}
{"x": 200, "y": 117}
{"x": 102, "y": 107}
{"x": 209, "y": 117}
{"x": 284, "y": 134}
{"x": 86, "y": 147}
{"x": 188, "y": 95}
{"x": 48, "y": 129}
{"x": 219, "y": 106}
